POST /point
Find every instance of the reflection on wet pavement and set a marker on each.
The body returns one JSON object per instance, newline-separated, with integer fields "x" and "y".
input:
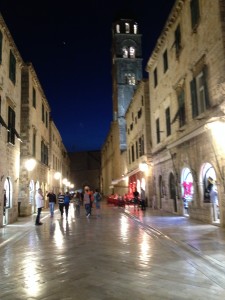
{"x": 116, "y": 256}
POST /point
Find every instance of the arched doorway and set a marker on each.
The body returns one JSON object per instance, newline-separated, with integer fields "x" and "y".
{"x": 7, "y": 200}
{"x": 172, "y": 186}
{"x": 31, "y": 195}
{"x": 210, "y": 189}
{"x": 37, "y": 186}
{"x": 187, "y": 189}
{"x": 161, "y": 191}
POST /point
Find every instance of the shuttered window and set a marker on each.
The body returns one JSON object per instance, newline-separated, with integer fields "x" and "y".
{"x": 199, "y": 93}
{"x": 1, "y": 37}
{"x": 168, "y": 123}
{"x": 12, "y": 67}
{"x": 195, "y": 13}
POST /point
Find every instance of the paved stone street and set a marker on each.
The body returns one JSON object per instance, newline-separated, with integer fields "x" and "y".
{"x": 124, "y": 254}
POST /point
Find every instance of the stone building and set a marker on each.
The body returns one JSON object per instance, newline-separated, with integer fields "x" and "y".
{"x": 66, "y": 169}
{"x": 55, "y": 159}
{"x": 10, "y": 101}
{"x": 85, "y": 169}
{"x": 25, "y": 135}
{"x": 186, "y": 86}
{"x": 34, "y": 155}
{"x": 126, "y": 73}
{"x": 138, "y": 137}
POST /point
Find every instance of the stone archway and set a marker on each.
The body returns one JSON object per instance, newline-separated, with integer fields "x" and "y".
{"x": 172, "y": 185}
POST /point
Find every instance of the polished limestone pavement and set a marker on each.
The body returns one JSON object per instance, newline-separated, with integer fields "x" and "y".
{"x": 123, "y": 254}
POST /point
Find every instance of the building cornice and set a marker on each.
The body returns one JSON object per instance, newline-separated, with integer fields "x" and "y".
{"x": 161, "y": 40}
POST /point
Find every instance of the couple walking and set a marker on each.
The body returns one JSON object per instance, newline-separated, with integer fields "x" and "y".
{"x": 64, "y": 202}
{"x": 87, "y": 202}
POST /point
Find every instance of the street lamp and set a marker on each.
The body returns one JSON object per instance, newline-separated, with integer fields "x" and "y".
{"x": 57, "y": 175}
{"x": 143, "y": 167}
{"x": 30, "y": 164}
{"x": 64, "y": 181}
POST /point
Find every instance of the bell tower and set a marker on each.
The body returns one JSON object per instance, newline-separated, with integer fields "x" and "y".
{"x": 126, "y": 70}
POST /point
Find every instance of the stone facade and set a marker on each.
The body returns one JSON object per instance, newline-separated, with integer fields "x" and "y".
{"x": 55, "y": 159}
{"x": 186, "y": 71}
{"x": 126, "y": 73}
{"x": 10, "y": 90}
{"x": 25, "y": 135}
{"x": 35, "y": 113}
{"x": 85, "y": 169}
{"x": 139, "y": 161}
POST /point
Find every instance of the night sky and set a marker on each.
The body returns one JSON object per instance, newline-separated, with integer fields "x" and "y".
{"x": 69, "y": 45}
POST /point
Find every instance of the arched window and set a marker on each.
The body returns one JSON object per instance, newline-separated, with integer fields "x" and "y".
{"x": 8, "y": 189}
{"x": 117, "y": 28}
{"x": 127, "y": 27}
{"x": 125, "y": 52}
{"x": 130, "y": 79}
{"x": 132, "y": 52}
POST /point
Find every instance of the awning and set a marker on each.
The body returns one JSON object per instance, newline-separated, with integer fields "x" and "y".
{"x": 16, "y": 134}
{"x": 3, "y": 123}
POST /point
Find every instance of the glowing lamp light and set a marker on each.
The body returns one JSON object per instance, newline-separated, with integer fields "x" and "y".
{"x": 72, "y": 186}
{"x": 64, "y": 181}
{"x": 143, "y": 167}
{"x": 57, "y": 175}
{"x": 30, "y": 164}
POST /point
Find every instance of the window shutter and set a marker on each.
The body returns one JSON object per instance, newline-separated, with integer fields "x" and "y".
{"x": 195, "y": 14}
{"x": 194, "y": 98}
{"x": 1, "y": 46}
{"x": 207, "y": 102}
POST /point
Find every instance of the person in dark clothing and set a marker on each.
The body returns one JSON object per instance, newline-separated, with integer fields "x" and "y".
{"x": 52, "y": 201}
{"x": 61, "y": 203}
{"x": 136, "y": 199}
{"x": 143, "y": 201}
{"x": 67, "y": 203}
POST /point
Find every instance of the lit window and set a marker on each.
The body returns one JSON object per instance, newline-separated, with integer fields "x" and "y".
{"x": 135, "y": 28}
{"x": 117, "y": 28}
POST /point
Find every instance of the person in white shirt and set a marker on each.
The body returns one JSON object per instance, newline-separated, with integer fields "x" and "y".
{"x": 214, "y": 201}
{"x": 39, "y": 199}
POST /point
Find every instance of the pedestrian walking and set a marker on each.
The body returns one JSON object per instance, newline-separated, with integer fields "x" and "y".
{"x": 136, "y": 199}
{"x": 143, "y": 203}
{"x": 77, "y": 203}
{"x": 39, "y": 199}
{"x": 52, "y": 201}
{"x": 97, "y": 199}
{"x": 67, "y": 203}
{"x": 61, "y": 203}
{"x": 87, "y": 202}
